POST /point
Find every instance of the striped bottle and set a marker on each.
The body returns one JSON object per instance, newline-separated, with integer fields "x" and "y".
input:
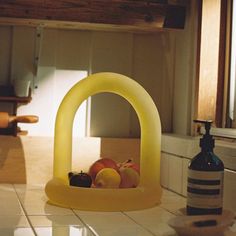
{"x": 205, "y": 179}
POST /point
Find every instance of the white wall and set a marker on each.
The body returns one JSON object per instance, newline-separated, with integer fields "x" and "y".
{"x": 69, "y": 55}
{"x": 185, "y": 72}
{"x": 54, "y": 78}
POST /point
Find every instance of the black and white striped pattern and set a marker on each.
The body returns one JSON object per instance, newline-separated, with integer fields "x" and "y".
{"x": 205, "y": 189}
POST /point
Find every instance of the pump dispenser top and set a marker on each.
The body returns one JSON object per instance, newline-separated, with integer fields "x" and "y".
{"x": 207, "y": 143}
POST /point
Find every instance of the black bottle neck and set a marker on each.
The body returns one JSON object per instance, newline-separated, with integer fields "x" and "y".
{"x": 207, "y": 143}
{"x": 207, "y": 149}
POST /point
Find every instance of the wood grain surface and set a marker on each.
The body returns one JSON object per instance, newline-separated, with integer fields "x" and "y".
{"x": 115, "y": 12}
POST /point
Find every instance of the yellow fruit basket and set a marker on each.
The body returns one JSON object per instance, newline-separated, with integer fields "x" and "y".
{"x": 148, "y": 192}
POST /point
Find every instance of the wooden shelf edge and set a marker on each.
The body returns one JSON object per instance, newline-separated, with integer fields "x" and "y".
{"x": 7, "y": 95}
{"x": 121, "y": 15}
{"x": 53, "y": 24}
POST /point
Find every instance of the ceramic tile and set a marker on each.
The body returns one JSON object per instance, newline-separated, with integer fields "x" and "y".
{"x": 8, "y": 198}
{"x": 31, "y": 194}
{"x": 35, "y": 201}
{"x": 175, "y": 174}
{"x": 226, "y": 152}
{"x": 184, "y": 146}
{"x": 172, "y": 202}
{"x": 185, "y": 163}
{"x": 14, "y": 209}
{"x": 229, "y": 233}
{"x": 6, "y": 188}
{"x": 45, "y": 209}
{"x": 232, "y": 230}
{"x": 154, "y": 219}
{"x": 167, "y": 193}
{"x": 229, "y": 190}
{"x": 55, "y": 221}
{"x": 63, "y": 231}
{"x": 111, "y": 224}
{"x": 16, "y": 232}
{"x": 165, "y": 170}
{"x": 13, "y": 221}
{"x": 51, "y": 220}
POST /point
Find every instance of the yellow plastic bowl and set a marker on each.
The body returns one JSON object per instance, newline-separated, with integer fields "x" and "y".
{"x": 148, "y": 193}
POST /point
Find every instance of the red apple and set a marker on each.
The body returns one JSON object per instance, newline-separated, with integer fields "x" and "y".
{"x": 100, "y": 164}
{"x": 130, "y": 174}
{"x": 129, "y": 164}
{"x": 129, "y": 177}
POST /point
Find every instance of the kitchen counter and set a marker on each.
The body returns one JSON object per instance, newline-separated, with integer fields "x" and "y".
{"x": 24, "y": 210}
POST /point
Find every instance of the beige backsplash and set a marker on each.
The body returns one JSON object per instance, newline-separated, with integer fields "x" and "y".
{"x": 26, "y": 159}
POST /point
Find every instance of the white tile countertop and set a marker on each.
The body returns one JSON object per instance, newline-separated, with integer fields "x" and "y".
{"x": 24, "y": 211}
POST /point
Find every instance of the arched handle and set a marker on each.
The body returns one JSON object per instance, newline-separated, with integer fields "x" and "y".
{"x": 142, "y": 103}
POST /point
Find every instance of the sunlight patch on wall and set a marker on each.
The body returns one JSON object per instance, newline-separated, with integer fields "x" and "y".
{"x": 64, "y": 81}
{"x": 52, "y": 87}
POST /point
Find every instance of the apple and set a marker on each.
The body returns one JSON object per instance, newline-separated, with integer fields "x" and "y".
{"x": 129, "y": 177}
{"x": 129, "y": 164}
{"x": 107, "y": 178}
{"x": 101, "y": 164}
{"x": 80, "y": 179}
{"x": 130, "y": 174}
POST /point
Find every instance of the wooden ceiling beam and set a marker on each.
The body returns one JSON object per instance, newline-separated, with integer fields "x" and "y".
{"x": 127, "y": 13}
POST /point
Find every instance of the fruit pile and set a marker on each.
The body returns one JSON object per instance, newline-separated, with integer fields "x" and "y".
{"x": 106, "y": 173}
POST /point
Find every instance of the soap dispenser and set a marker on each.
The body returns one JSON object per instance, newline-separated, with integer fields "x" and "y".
{"x": 205, "y": 178}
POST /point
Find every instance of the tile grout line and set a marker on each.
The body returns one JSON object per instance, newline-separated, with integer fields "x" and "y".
{"x": 83, "y": 222}
{"x": 26, "y": 215}
{"x": 172, "y": 191}
{"x": 171, "y": 212}
{"x": 148, "y": 230}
